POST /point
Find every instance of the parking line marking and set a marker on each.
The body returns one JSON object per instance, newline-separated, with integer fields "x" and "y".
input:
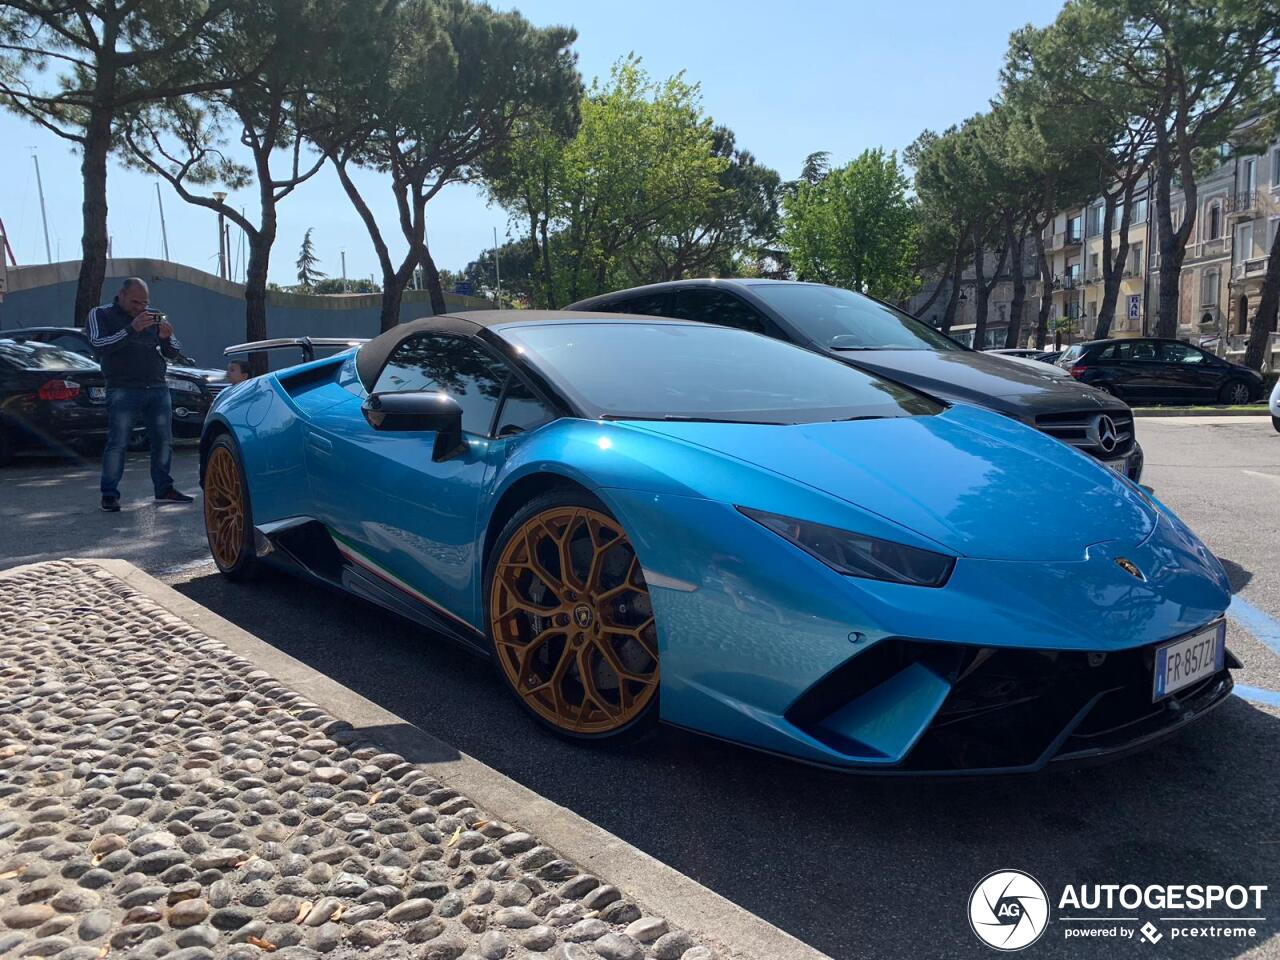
{"x": 1256, "y": 694}
{"x": 1262, "y": 626}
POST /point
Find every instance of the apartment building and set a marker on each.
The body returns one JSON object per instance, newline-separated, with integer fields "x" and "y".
{"x": 1238, "y": 212}
{"x": 999, "y": 304}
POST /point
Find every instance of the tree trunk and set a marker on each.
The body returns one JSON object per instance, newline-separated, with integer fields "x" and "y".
{"x": 1113, "y": 259}
{"x": 980, "y": 290}
{"x": 392, "y": 295}
{"x": 93, "y": 243}
{"x": 1046, "y": 293}
{"x": 1014, "y": 333}
{"x": 434, "y": 287}
{"x": 1173, "y": 243}
{"x": 937, "y": 290}
{"x": 255, "y": 288}
{"x": 1264, "y": 321}
{"x": 953, "y": 301}
{"x": 547, "y": 279}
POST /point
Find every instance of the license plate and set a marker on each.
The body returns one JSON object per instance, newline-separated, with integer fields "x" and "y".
{"x": 1182, "y": 662}
{"x": 97, "y": 393}
{"x": 1119, "y": 466}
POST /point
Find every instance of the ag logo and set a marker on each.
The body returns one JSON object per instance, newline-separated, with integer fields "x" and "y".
{"x": 1008, "y": 910}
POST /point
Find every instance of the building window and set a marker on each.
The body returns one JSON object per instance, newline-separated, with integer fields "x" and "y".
{"x": 1209, "y": 288}
{"x": 1272, "y": 224}
{"x": 1135, "y": 259}
{"x": 1095, "y": 219}
{"x": 1213, "y": 221}
{"x": 1275, "y": 167}
{"x": 1073, "y": 230}
{"x": 1244, "y": 243}
{"x": 1250, "y": 175}
{"x": 1139, "y": 210}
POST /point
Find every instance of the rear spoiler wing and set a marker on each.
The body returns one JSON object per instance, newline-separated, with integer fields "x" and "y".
{"x": 306, "y": 344}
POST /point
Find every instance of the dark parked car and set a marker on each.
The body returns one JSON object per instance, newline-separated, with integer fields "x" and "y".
{"x": 1148, "y": 370}
{"x": 881, "y": 339}
{"x": 191, "y": 388}
{"x": 50, "y": 399}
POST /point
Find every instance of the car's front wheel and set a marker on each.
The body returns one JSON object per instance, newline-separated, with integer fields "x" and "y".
{"x": 228, "y": 519}
{"x": 1275, "y": 422}
{"x": 570, "y": 619}
{"x": 1235, "y": 392}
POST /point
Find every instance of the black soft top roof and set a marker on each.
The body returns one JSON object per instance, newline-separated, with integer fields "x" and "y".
{"x": 372, "y": 356}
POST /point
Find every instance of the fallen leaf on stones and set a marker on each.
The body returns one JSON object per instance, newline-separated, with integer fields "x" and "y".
{"x": 373, "y": 798}
{"x": 456, "y": 834}
{"x": 261, "y": 944}
{"x": 12, "y": 873}
{"x": 479, "y": 824}
{"x": 104, "y": 951}
{"x": 337, "y": 915}
{"x": 303, "y": 909}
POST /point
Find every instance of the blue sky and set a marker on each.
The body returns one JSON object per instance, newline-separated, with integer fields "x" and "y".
{"x": 788, "y": 78}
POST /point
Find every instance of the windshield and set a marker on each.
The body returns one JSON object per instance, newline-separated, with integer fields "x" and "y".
{"x": 29, "y": 355}
{"x": 843, "y": 320}
{"x": 676, "y": 371}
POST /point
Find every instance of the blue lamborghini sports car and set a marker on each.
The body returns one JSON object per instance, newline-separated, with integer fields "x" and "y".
{"x": 640, "y": 519}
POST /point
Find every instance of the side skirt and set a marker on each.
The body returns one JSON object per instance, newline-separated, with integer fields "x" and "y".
{"x": 303, "y": 545}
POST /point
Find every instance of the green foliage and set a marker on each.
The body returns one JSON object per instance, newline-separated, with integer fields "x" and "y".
{"x": 854, "y": 227}
{"x": 457, "y": 82}
{"x": 636, "y": 185}
{"x": 332, "y": 285}
{"x": 308, "y": 275}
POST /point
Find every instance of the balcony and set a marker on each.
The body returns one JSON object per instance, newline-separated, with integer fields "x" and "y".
{"x": 1256, "y": 267}
{"x": 1092, "y": 277}
{"x": 1243, "y": 204}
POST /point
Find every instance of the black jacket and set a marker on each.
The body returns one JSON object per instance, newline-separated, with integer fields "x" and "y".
{"x": 128, "y": 358}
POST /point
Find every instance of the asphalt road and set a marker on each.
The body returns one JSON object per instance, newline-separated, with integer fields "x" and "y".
{"x": 856, "y": 867}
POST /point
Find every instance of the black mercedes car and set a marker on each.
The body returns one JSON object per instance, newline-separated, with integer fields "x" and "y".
{"x": 874, "y": 336}
{"x": 50, "y": 399}
{"x": 1150, "y": 370}
{"x": 192, "y": 389}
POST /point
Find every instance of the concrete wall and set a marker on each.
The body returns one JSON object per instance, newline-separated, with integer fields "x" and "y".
{"x": 206, "y": 311}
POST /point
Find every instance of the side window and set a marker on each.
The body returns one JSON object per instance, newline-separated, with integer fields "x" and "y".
{"x": 649, "y": 305}
{"x": 716, "y": 306}
{"x": 521, "y": 410}
{"x": 454, "y": 365}
{"x": 1180, "y": 353}
{"x": 1144, "y": 350}
{"x": 1110, "y": 353}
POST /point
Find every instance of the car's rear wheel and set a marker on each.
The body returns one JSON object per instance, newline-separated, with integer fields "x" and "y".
{"x": 1235, "y": 392}
{"x": 1275, "y": 422}
{"x": 571, "y": 621}
{"x": 228, "y": 519}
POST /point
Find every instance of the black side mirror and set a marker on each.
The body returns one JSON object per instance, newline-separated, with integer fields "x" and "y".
{"x": 436, "y": 413}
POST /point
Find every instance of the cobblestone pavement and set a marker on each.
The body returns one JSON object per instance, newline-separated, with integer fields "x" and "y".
{"x": 159, "y": 796}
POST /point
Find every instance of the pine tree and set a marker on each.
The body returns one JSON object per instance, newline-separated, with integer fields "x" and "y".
{"x": 308, "y": 275}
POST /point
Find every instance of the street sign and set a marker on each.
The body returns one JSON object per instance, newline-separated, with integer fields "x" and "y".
{"x": 1135, "y": 306}
{"x": 462, "y": 288}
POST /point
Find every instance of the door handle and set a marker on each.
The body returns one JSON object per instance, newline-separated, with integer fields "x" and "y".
{"x": 319, "y": 443}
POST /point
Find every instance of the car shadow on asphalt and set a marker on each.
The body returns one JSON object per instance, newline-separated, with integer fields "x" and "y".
{"x": 1237, "y": 576}
{"x": 855, "y": 866}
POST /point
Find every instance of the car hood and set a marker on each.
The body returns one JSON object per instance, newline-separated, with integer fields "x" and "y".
{"x": 973, "y": 377}
{"x": 976, "y": 483}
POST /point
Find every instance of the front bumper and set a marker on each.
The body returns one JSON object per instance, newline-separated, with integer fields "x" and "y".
{"x": 1006, "y": 711}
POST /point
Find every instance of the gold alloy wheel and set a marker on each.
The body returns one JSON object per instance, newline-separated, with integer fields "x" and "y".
{"x": 224, "y": 507}
{"x": 572, "y": 622}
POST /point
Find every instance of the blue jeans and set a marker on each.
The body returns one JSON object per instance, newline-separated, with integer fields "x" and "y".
{"x": 124, "y": 406}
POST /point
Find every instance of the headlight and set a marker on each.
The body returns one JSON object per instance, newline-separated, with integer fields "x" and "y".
{"x": 857, "y": 555}
{"x": 182, "y": 386}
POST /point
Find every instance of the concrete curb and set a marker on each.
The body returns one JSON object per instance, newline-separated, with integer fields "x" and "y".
{"x": 1260, "y": 411}
{"x": 738, "y": 933}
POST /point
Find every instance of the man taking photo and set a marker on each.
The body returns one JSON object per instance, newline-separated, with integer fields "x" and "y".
{"x": 132, "y": 342}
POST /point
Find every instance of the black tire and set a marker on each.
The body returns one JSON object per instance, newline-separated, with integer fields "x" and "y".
{"x": 645, "y": 721}
{"x": 1235, "y": 392}
{"x": 1275, "y": 422}
{"x": 228, "y": 530}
